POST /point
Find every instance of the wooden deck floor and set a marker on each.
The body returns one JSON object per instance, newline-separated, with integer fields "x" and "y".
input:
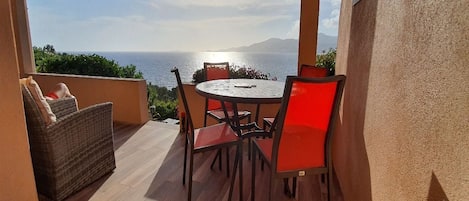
{"x": 149, "y": 162}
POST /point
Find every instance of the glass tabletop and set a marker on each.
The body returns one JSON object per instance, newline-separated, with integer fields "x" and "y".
{"x": 242, "y": 90}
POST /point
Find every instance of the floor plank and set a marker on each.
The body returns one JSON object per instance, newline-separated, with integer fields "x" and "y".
{"x": 149, "y": 162}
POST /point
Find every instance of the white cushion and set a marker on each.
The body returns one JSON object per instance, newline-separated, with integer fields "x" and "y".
{"x": 44, "y": 107}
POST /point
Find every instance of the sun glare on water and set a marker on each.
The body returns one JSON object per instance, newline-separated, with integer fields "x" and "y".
{"x": 218, "y": 57}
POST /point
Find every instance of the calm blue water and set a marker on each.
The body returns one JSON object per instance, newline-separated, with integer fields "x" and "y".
{"x": 156, "y": 66}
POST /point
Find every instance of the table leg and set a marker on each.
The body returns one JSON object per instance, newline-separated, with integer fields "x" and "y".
{"x": 258, "y": 108}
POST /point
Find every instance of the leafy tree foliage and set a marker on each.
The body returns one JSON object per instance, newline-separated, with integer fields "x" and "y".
{"x": 49, "y": 48}
{"x": 162, "y": 102}
{"x": 42, "y": 55}
{"x": 47, "y": 61}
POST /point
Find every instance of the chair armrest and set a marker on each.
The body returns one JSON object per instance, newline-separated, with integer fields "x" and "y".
{"x": 76, "y": 132}
{"x": 62, "y": 107}
{"x": 73, "y": 152}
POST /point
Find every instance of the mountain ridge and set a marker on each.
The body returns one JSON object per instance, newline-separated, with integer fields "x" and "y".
{"x": 325, "y": 42}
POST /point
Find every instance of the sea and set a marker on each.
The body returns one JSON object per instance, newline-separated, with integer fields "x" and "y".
{"x": 156, "y": 66}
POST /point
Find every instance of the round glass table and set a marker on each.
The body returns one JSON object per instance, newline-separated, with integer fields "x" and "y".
{"x": 242, "y": 90}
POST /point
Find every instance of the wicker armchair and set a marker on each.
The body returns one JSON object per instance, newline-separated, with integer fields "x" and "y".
{"x": 73, "y": 152}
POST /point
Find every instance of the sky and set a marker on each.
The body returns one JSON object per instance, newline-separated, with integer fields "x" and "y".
{"x": 168, "y": 25}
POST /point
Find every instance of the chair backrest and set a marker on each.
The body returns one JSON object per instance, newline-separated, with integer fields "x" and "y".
{"x": 188, "y": 116}
{"x": 310, "y": 71}
{"x": 313, "y": 71}
{"x": 306, "y": 121}
{"x": 34, "y": 119}
{"x": 215, "y": 71}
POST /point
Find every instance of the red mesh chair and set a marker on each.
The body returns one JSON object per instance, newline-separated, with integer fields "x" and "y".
{"x": 214, "y": 71}
{"x": 313, "y": 71}
{"x": 305, "y": 71}
{"x": 213, "y": 108}
{"x": 301, "y": 144}
{"x": 206, "y": 139}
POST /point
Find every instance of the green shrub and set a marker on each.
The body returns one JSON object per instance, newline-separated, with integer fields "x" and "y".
{"x": 165, "y": 110}
{"x": 236, "y": 72}
{"x": 327, "y": 60}
{"x": 50, "y": 62}
{"x": 161, "y": 101}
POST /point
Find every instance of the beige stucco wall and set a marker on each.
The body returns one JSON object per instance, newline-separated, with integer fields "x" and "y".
{"x": 405, "y": 117}
{"x": 16, "y": 172}
{"x": 129, "y": 96}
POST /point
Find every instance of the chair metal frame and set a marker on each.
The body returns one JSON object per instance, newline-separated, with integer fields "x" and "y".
{"x": 216, "y": 114}
{"x": 328, "y": 166}
{"x": 219, "y": 114}
{"x": 190, "y": 132}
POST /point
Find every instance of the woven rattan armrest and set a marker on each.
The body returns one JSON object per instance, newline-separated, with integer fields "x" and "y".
{"x": 83, "y": 126}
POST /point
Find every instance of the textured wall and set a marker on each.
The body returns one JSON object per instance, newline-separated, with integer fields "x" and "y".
{"x": 405, "y": 118}
{"x": 354, "y": 54}
{"x": 16, "y": 171}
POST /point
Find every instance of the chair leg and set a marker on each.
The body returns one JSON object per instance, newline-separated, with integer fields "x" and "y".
{"x": 235, "y": 166}
{"x": 291, "y": 193}
{"x": 213, "y": 161}
{"x": 191, "y": 171}
{"x": 205, "y": 119}
{"x": 217, "y": 156}
{"x": 329, "y": 186}
{"x": 185, "y": 162}
{"x": 253, "y": 176}
{"x": 286, "y": 187}
{"x": 186, "y": 123}
{"x": 272, "y": 187}
{"x": 227, "y": 162}
{"x": 240, "y": 171}
{"x": 249, "y": 148}
{"x": 262, "y": 164}
{"x": 219, "y": 159}
{"x": 294, "y": 187}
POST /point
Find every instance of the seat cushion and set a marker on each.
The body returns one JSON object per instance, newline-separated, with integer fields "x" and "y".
{"x": 265, "y": 148}
{"x": 44, "y": 107}
{"x": 214, "y": 135}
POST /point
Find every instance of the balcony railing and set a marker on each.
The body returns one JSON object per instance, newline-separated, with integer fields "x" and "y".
{"x": 129, "y": 96}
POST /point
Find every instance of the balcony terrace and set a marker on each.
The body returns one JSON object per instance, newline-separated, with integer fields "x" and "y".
{"x": 149, "y": 160}
{"x": 401, "y": 134}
